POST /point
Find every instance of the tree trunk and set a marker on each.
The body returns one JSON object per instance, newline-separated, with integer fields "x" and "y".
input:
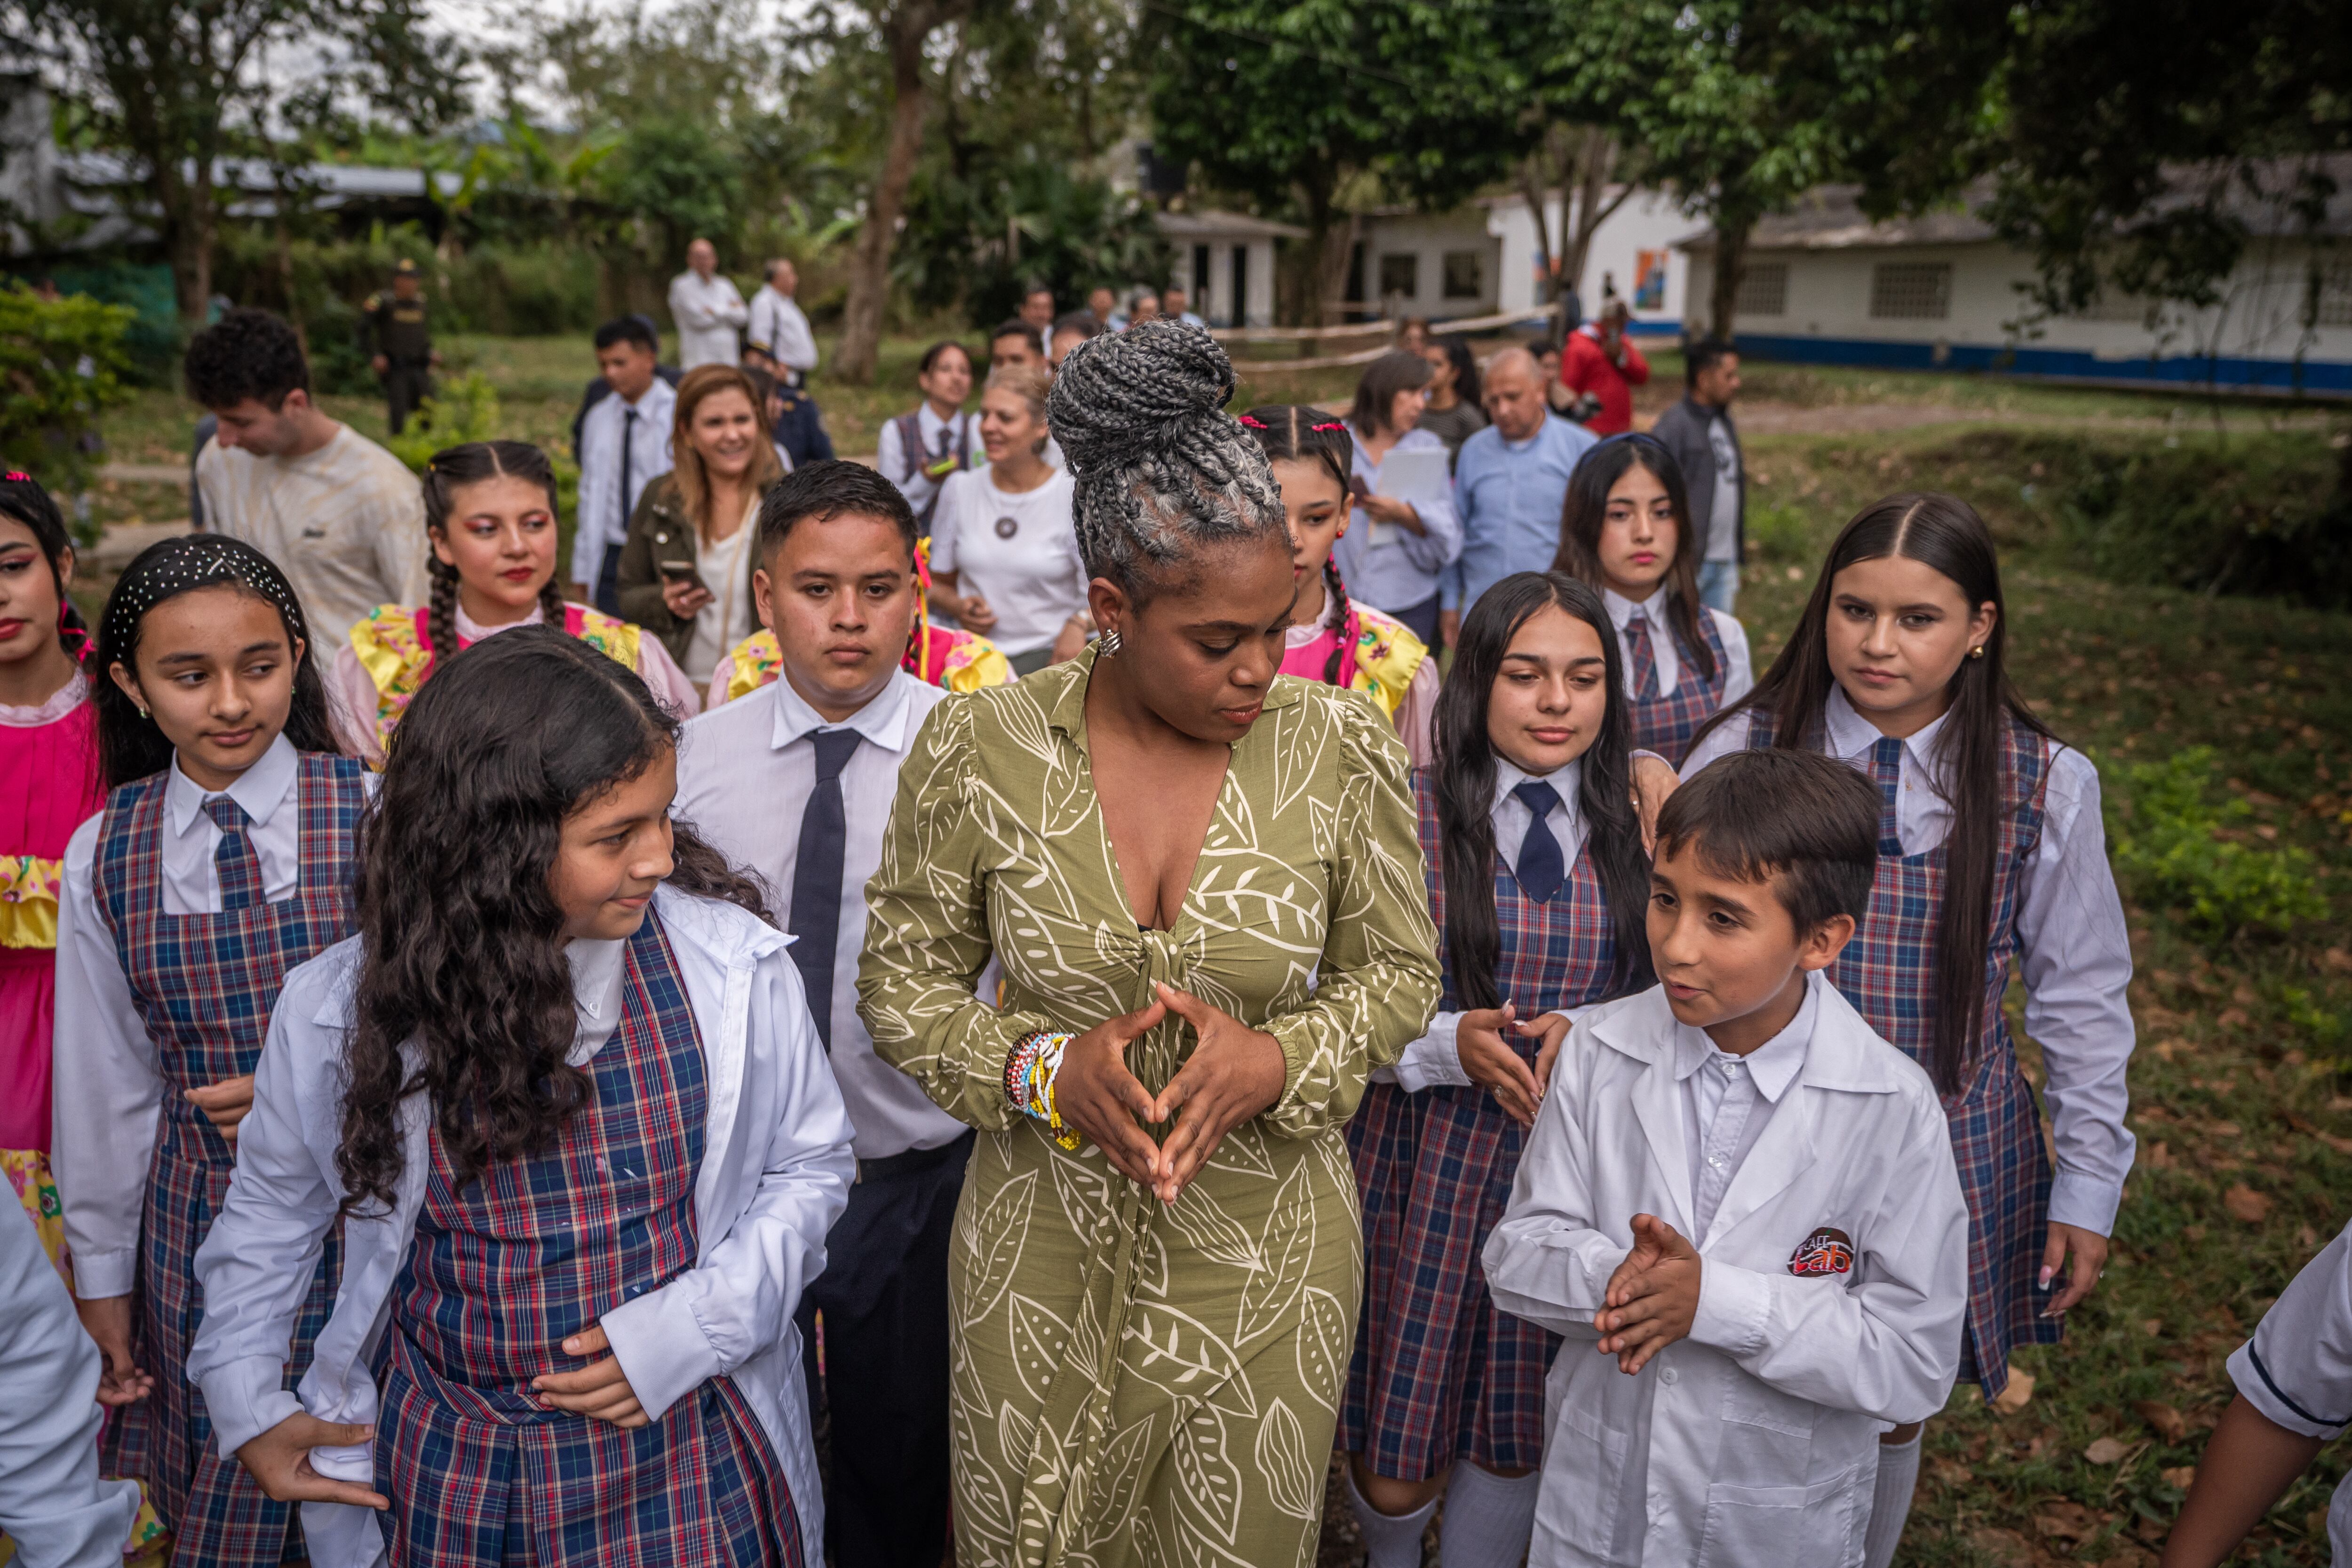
{"x": 906, "y": 30}
{"x": 187, "y": 213}
{"x": 1730, "y": 266}
{"x": 1331, "y": 260}
{"x": 1595, "y": 159}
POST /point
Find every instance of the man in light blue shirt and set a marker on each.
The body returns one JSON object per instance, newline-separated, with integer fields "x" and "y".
{"x": 1509, "y": 485}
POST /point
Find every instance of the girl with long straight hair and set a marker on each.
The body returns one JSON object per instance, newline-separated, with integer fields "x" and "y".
{"x": 1990, "y": 850}
{"x": 491, "y": 519}
{"x": 563, "y": 1099}
{"x": 1540, "y": 886}
{"x": 222, "y": 860}
{"x": 1624, "y": 529}
{"x": 1331, "y": 637}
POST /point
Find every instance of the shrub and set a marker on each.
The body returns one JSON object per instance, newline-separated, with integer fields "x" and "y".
{"x": 2179, "y": 849}
{"x": 466, "y": 409}
{"x": 61, "y": 363}
{"x": 1780, "y": 535}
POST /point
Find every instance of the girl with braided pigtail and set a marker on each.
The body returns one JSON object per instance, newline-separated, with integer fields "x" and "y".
{"x": 1331, "y": 638}
{"x": 1202, "y": 883}
{"x": 491, "y": 521}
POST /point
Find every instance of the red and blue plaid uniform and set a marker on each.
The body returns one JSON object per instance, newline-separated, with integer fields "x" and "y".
{"x": 1888, "y": 972}
{"x": 538, "y": 1248}
{"x": 1666, "y": 724}
{"x": 1439, "y": 1372}
{"x": 203, "y": 986}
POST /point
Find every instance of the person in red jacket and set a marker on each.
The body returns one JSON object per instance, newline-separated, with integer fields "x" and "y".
{"x": 1600, "y": 365}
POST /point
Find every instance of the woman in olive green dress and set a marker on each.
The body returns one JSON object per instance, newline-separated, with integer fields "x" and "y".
{"x": 1203, "y": 885}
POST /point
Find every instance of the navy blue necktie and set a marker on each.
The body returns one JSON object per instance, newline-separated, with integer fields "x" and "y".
{"x": 1541, "y": 870}
{"x": 816, "y": 922}
{"x": 1886, "y": 768}
{"x": 236, "y": 867}
{"x": 628, "y": 445}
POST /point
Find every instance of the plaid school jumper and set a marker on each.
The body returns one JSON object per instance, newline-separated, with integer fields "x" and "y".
{"x": 535, "y": 1250}
{"x": 1666, "y": 724}
{"x": 1439, "y": 1372}
{"x": 1888, "y": 972}
{"x": 203, "y": 986}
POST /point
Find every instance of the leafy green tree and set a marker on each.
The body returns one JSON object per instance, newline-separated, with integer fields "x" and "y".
{"x": 62, "y": 365}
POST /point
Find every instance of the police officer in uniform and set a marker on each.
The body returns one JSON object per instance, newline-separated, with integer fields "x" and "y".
{"x": 399, "y": 344}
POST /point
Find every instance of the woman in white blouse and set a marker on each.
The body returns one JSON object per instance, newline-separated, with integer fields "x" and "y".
{"x": 1005, "y": 555}
{"x": 1397, "y": 545}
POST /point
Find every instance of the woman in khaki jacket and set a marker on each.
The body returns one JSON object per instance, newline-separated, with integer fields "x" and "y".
{"x": 686, "y": 568}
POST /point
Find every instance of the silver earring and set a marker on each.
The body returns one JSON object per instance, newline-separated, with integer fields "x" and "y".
{"x": 1110, "y": 643}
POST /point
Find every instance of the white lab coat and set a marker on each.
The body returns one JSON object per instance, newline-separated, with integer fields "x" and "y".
{"x": 776, "y": 1169}
{"x": 1758, "y": 1433}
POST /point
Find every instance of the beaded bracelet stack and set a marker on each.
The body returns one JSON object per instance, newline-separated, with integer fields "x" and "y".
{"x": 1029, "y": 1074}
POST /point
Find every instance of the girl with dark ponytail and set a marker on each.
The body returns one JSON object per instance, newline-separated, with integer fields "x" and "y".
{"x": 221, "y": 861}
{"x": 1331, "y": 637}
{"x": 1990, "y": 849}
{"x": 491, "y": 522}
{"x": 1540, "y": 886}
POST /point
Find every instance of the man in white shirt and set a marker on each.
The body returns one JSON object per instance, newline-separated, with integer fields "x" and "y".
{"x": 1037, "y": 307}
{"x": 778, "y": 332}
{"x": 624, "y": 447}
{"x": 708, "y": 310}
{"x": 342, "y": 516}
{"x": 796, "y": 781}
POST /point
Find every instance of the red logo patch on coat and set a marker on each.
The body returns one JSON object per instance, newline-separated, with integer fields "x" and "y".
{"x": 1826, "y": 1251}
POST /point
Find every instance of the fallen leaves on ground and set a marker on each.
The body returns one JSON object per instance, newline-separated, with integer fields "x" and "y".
{"x": 2179, "y": 1475}
{"x": 2066, "y": 1521}
{"x": 2107, "y": 1450}
{"x": 2247, "y": 1205}
{"x": 2162, "y": 1419}
{"x": 2017, "y": 1395}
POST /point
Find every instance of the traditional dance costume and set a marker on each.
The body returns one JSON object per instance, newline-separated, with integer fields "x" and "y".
{"x": 1379, "y": 655}
{"x": 1668, "y": 698}
{"x": 1439, "y": 1372}
{"x": 389, "y": 657}
{"x": 682, "y": 1207}
{"x": 2055, "y": 908}
{"x": 169, "y": 960}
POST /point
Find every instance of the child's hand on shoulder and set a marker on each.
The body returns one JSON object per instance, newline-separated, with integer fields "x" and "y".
{"x": 1652, "y": 1297}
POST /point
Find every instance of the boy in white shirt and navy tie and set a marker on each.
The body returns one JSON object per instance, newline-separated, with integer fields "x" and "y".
{"x": 795, "y": 781}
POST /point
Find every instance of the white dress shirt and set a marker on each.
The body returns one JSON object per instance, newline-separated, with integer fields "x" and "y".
{"x": 602, "y": 516}
{"x": 2297, "y": 1368}
{"x": 1754, "y": 1439}
{"x": 775, "y": 1174}
{"x": 1727, "y": 1098}
{"x": 1435, "y": 1058}
{"x": 1739, "y": 673}
{"x": 941, "y": 438}
{"x": 108, "y": 1086}
{"x": 709, "y": 313}
{"x": 745, "y": 772}
{"x": 2073, "y": 949}
{"x": 778, "y": 325}
{"x": 52, "y": 1504}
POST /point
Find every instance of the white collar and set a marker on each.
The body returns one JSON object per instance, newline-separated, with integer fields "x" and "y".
{"x": 649, "y": 398}
{"x": 471, "y": 631}
{"x": 261, "y": 789}
{"x": 1621, "y": 608}
{"x": 1774, "y": 1064}
{"x": 928, "y": 420}
{"x": 1851, "y": 735}
{"x": 597, "y": 970}
{"x": 1567, "y": 782}
{"x": 885, "y": 720}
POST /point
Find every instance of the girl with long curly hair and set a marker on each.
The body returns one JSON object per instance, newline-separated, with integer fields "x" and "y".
{"x": 222, "y": 860}
{"x": 563, "y": 1097}
{"x": 491, "y": 522}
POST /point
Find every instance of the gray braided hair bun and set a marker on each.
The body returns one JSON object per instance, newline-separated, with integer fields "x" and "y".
{"x": 1159, "y": 467}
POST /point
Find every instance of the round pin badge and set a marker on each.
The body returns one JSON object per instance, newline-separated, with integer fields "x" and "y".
{"x": 1007, "y": 527}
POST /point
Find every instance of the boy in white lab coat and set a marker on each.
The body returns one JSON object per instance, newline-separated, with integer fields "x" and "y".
{"x": 1722, "y": 1397}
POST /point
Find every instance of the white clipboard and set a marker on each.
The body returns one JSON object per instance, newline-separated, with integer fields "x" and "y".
{"x": 1415, "y": 476}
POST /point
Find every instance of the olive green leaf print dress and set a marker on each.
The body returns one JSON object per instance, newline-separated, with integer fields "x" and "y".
{"x": 1133, "y": 1383}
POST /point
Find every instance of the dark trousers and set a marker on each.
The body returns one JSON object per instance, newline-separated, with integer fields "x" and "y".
{"x": 607, "y": 594}
{"x": 884, "y": 1294}
{"x": 404, "y": 387}
{"x": 1420, "y": 620}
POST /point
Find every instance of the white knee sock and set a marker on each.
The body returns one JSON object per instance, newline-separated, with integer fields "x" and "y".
{"x": 1890, "y": 1500}
{"x": 1391, "y": 1539}
{"x": 1489, "y": 1519}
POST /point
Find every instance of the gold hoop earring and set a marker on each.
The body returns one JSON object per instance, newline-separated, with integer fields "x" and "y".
{"x": 1110, "y": 643}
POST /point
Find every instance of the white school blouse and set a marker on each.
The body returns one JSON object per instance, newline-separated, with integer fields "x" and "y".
{"x": 1016, "y": 549}
{"x": 1739, "y": 677}
{"x": 940, "y": 438}
{"x": 745, "y": 772}
{"x": 2073, "y": 949}
{"x": 2297, "y": 1368}
{"x": 108, "y": 1089}
{"x": 1435, "y": 1058}
{"x": 1755, "y": 1438}
{"x": 776, "y": 1169}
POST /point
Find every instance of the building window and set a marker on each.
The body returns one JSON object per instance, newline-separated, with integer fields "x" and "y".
{"x": 1911, "y": 290}
{"x": 1763, "y": 290}
{"x": 1465, "y": 275}
{"x": 2335, "y": 296}
{"x": 1400, "y": 275}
